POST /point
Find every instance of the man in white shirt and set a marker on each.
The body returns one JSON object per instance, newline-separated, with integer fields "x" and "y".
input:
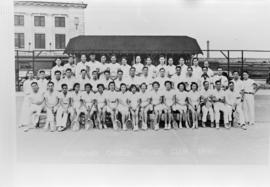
{"x": 197, "y": 70}
{"x": 170, "y": 67}
{"x": 152, "y": 70}
{"x": 238, "y": 83}
{"x": 106, "y": 80}
{"x": 101, "y": 103}
{"x": 70, "y": 65}
{"x": 220, "y": 77}
{"x": 156, "y": 98}
{"x": 57, "y": 81}
{"x": 94, "y": 81}
{"x": 219, "y": 105}
{"x": 36, "y": 99}
{"x": 206, "y": 94}
{"x": 82, "y": 65}
{"x": 145, "y": 78}
{"x": 64, "y": 110}
{"x": 162, "y": 78}
{"x": 177, "y": 77}
{"x": 132, "y": 78}
{"x": 234, "y": 101}
{"x": 103, "y": 66}
{"x": 138, "y": 65}
{"x": 125, "y": 67}
{"x": 69, "y": 79}
{"x": 119, "y": 80}
{"x": 42, "y": 81}
{"x": 210, "y": 72}
{"x": 114, "y": 66}
{"x": 51, "y": 103}
{"x": 183, "y": 66}
{"x": 93, "y": 64}
{"x": 162, "y": 64}
{"x": 83, "y": 79}
{"x": 249, "y": 88}
{"x": 57, "y": 67}
{"x": 111, "y": 103}
{"x": 189, "y": 78}
{"x": 205, "y": 77}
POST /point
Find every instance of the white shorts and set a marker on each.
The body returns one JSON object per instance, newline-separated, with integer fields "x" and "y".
{"x": 180, "y": 108}
{"x": 161, "y": 107}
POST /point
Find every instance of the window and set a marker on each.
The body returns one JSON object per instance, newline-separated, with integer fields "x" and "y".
{"x": 19, "y": 40}
{"x": 60, "y": 41}
{"x": 59, "y": 21}
{"x": 18, "y": 20}
{"x": 39, "y": 21}
{"x": 40, "y": 41}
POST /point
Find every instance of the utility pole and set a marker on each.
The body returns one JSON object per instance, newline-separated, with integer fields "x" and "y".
{"x": 208, "y": 48}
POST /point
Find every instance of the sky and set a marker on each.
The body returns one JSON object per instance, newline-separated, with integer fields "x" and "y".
{"x": 227, "y": 24}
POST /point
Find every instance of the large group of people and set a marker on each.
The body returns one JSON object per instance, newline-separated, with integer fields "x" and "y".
{"x": 101, "y": 94}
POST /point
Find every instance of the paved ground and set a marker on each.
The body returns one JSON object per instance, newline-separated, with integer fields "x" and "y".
{"x": 185, "y": 146}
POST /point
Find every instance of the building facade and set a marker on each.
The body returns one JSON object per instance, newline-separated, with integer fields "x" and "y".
{"x": 47, "y": 25}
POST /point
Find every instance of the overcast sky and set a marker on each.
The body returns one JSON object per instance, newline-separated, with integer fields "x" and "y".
{"x": 228, "y": 24}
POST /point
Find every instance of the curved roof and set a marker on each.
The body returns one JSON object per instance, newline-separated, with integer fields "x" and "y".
{"x": 133, "y": 44}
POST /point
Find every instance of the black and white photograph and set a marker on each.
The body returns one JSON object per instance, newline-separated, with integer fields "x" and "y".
{"x": 137, "y": 93}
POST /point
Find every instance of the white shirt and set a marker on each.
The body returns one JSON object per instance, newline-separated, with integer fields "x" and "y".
{"x": 88, "y": 97}
{"x": 152, "y": 71}
{"x": 238, "y": 85}
{"x": 51, "y": 98}
{"x": 27, "y": 88}
{"x": 162, "y": 81}
{"x": 206, "y": 93}
{"x": 111, "y": 96}
{"x": 94, "y": 83}
{"x": 69, "y": 81}
{"x": 232, "y": 97}
{"x": 105, "y": 82}
{"x": 102, "y": 68}
{"x": 219, "y": 94}
{"x": 189, "y": 80}
{"x": 123, "y": 97}
{"x": 223, "y": 79}
{"x": 248, "y": 85}
{"x": 36, "y": 97}
{"x": 100, "y": 98}
{"x": 171, "y": 70}
{"x": 133, "y": 98}
{"x": 133, "y": 80}
{"x": 79, "y": 67}
{"x": 69, "y": 66}
{"x": 42, "y": 84}
{"x": 76, "y": 98}
{"x": 181, "y": 97}
{"x": 183, "y": 69}
{"x": 194, "y": 97}
{"x": 56, "y": 68}
{"x": 169, "y": 96}
{"x": 139, "y": 67}
{"x": 58, "y": 84}
{"x": 65, "y": 99}
{"x": 125, "y": 69}
{"x": 144, "y": 96}
{"x": 93, "y": 66}
{"x": 147, "y": 79}
{"x": 197, "y": 71}
{"x": 210, "y": 72}
{"x": 176, "y": 79}
{"x": 114, "y": 68}
{"x": 82, "y": 82}
{"x": 118, "y": 82}
{"x": 155, "y": 95}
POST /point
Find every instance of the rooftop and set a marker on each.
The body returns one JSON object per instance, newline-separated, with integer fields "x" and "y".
{"x": 51, "y": 3}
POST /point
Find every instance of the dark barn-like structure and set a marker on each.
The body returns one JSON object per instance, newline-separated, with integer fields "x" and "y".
{"x": 130, "y": 46}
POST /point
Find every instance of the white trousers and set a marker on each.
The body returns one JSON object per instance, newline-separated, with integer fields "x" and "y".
{"x": 221, "y": 107}
{"x": 205, "y": 111}
{"x": 62, "y": 116}
{"x": 249, "y": 108}
{"x": 240, "y": 112}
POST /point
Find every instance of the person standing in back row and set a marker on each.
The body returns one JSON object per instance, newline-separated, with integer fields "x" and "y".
{"x": 249, "y": 88}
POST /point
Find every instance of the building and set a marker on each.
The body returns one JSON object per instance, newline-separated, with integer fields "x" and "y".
{"x": 41, "y": 25}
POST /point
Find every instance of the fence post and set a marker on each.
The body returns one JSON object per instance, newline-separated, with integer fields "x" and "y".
{"x": 33, "y": 61}
{"x": 228, "y": 58}
{"x": 17, "y": 70}
{"x": 242, "y": 61}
